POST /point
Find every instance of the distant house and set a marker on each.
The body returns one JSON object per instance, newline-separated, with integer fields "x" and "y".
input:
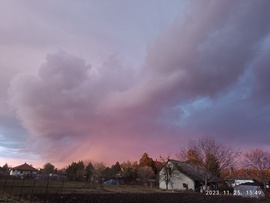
{"x": 23, "y": 170}
{"x": 238, "y": 181}
{"x": 176, "y": 175}
{"x": 238, "y": 177}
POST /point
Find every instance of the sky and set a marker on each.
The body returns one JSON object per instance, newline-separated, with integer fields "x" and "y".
{"x": 109, "y": 80}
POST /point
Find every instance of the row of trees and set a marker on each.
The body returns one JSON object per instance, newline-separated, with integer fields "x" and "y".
{"x": 210, "y": 156}
{"x": 144, "y": 169}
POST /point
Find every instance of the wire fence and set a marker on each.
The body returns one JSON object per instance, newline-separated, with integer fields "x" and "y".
{"x": 29, "y": 188}
{"x": 44, "y": 189}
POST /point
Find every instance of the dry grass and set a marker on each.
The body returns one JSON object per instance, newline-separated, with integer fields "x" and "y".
{"x": 84, "y": 192}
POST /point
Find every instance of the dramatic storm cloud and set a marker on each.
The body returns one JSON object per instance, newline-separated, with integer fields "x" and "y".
{"x": 205, "y": 73}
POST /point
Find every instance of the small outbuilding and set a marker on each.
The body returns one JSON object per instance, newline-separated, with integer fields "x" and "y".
{"x": 23, "y": 170}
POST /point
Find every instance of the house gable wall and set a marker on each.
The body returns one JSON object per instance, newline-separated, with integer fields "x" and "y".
{"x": 176, "y": 181}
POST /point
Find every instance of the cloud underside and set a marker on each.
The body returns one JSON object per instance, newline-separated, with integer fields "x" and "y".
{"x": 208, "y": 74}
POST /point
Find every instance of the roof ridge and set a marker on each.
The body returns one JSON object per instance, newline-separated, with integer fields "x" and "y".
{"x": 25, "y": 166}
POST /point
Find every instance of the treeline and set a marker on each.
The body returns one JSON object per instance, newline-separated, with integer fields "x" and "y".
{"x": 144, "y": 169}
{"x": 214, "y": 157}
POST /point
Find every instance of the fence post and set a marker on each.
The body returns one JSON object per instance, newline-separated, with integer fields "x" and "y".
{"x": 21, "y": 189}
{"x": 32, "y": 192}
{"x": 47, "y": 189}
{"x": 62, "y": 186}
{"x": 12, "y": 186}
{"x": 4, "y": 186}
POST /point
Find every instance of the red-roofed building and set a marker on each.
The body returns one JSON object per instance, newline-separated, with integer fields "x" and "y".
{"x": 23, "y": 169}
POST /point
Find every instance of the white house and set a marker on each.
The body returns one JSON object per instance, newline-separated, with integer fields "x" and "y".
{"x": 23, "y": 170}
{"x": 176, "y": 175}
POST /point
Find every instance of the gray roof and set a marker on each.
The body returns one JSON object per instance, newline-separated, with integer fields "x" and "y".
{"x": 193, "y": 171}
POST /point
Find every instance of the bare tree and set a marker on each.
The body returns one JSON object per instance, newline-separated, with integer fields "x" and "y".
{"x": 259, "y": 160}
{"x": 209, "y": 156}
{"x": 166, "y": 172}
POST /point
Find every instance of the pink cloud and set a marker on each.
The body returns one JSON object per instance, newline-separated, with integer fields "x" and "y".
{"x": 75, "y": 111}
